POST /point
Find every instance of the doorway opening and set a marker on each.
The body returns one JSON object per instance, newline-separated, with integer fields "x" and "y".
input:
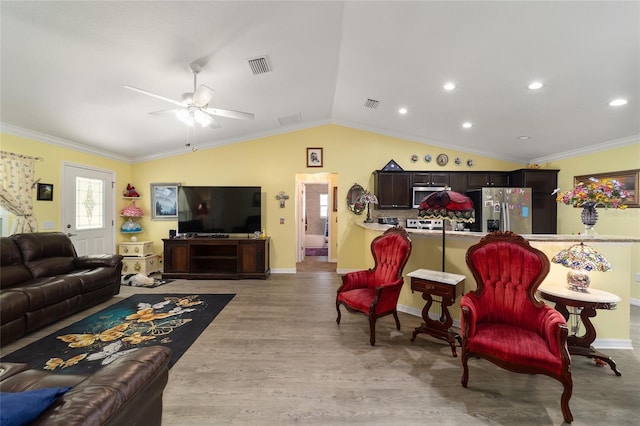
{"x": 316, "y": 217}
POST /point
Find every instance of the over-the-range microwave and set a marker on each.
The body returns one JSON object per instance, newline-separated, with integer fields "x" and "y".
{"x": 421, "y": 192}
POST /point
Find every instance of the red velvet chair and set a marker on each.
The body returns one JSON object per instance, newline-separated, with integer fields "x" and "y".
{"x": 503, "y": 322}
{"x": 375, "y": 292}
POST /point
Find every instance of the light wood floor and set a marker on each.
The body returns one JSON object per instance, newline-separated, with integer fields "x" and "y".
{"x": 275, "y": 356}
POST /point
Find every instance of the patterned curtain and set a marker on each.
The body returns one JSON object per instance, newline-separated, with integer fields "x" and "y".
{"x": 16, "y": 190}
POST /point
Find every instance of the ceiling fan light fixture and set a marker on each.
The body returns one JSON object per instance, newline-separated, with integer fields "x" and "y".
{"x": 185, "y": 116}
{"x": 201, "y": 118}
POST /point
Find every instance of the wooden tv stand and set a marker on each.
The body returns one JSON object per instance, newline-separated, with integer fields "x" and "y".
{"x": 216, "y": 258}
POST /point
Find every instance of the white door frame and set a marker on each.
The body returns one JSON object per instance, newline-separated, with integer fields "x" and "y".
{"x": 301, "y": 181}
{"x": 110, "y": 199}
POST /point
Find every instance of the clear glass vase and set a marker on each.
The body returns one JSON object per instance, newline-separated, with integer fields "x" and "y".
{"x": 589, "y": 217}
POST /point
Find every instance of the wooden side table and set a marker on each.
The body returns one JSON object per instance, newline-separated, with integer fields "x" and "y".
{"x": 448, "y": 287}
{"x": 585, "y": 305}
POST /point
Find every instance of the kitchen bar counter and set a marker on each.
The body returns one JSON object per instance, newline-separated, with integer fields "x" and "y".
{"x": 476, "y": 236}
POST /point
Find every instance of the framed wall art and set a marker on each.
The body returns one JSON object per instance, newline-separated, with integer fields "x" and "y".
{"x": 164, "y": 201}
{"x": 314, "y": 157}
{"x": 629, "y": 178}
{"x": 45, "y": 192}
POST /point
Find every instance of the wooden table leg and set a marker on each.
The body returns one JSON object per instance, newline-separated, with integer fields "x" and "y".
{"x": 438, "y": 329}
{"x": 581, "y": 345}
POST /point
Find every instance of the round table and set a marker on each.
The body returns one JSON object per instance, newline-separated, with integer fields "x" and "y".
{"x": 585, "y": 305}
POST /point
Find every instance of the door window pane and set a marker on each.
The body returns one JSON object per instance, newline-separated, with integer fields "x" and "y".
{"x": 89, "y": 203}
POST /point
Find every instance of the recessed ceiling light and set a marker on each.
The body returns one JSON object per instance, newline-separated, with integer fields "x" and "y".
{"x": 618, "y": 102}
{"x": 402, "y": 111}
{"x": 449, "y": 86}
{"x": 524, "y": 138}
{"x": 467, "y": 125}
{"x": 535, "y": 85}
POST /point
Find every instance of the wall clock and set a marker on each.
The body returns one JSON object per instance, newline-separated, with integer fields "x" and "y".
{"x": 442, "y": 159}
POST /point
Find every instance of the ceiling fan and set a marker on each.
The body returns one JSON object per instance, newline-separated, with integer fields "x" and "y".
{"x": 194, "y": 107}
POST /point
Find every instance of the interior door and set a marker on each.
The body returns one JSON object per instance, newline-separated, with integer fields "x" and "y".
{"x": 88, "y": 211}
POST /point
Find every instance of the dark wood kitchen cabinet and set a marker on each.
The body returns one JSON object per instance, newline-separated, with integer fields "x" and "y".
{"x": 393, "y": 190}
{"x": 544, "y": 208}
{"x": 477, "y": 180}
{"x": 430, "y": 179}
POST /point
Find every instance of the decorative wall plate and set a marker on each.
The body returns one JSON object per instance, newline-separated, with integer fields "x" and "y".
{"x": 427, "y": 158}
{"x": 414, "y": 158}
{"x": 458, "y": 161}
{"x": 470, "y": 162}
{"x": 442, "y": 159}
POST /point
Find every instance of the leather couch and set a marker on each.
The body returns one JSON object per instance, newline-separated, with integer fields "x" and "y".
{"x": 125, "y": 392}
{"x": 43, "y": 280}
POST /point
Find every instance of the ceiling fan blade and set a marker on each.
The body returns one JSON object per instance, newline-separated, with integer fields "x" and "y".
{"x": 214, "y": 124}
{"x": 145, "y": 92}
{"x": 230, "y": 113}
{"x": 203, "y": 95}
{"x": 165, "y": 111}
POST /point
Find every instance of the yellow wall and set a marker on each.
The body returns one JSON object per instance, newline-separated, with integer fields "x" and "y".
{"x": 273, "y": 163}
{"x": 610, "y": 221}
{"x": 350, "y": 155}
{"x": 50, "y": 171}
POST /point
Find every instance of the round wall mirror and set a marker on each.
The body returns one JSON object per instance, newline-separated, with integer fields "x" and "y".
{"x": 353, "y": 199}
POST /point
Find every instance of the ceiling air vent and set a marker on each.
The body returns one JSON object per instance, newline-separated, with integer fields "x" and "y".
{"x": 259, "y": 65}
{"x": 371, "y": 103}
{"x": 290, "y": 120}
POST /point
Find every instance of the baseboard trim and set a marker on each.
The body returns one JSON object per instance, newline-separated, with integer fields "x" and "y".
{"x": 613, "y": 344}
{"x": 283, "y": 271}
{"x": 418, "y": 313}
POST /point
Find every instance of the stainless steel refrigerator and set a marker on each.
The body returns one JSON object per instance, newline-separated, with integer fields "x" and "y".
{"x": 504, "y": 209}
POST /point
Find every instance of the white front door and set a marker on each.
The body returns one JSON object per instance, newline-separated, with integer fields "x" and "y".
{"x": 88, "y": 209}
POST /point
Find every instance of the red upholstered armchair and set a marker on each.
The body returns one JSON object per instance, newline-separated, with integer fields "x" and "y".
{"x": 503, "y": 322}
{"x": 375, "y": 292}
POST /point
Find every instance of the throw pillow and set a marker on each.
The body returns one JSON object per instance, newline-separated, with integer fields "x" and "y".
{"x": 22, "y": 408}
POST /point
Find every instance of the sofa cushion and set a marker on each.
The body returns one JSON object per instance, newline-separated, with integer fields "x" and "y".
{"x": 47, "y": 291}
{"x": 13, "y": 270}
{"x": 505, "y": 341}
{"x": 46, "y": 253}
{"x": 14, "y": 304}
{"x": 93, "y": 279}
{"x": 22, "y": 408}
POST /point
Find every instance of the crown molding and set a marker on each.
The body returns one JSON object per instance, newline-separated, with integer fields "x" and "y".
{"x": 426, "y": 141}
{"x": 604, "y": 146}
{"x": 52, "y": 140}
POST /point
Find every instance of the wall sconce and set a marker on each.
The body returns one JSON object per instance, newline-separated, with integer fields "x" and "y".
{"x": 282, "y": 197}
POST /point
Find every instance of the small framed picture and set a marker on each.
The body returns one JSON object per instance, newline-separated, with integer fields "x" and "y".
{"x": 45, "y": 192}
{"x": 314, "y": 157}
{"x": 164, "y": 201}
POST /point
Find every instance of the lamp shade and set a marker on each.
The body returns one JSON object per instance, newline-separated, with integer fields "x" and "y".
{"x": 368, "y": 198}
{"x": 582, "y": 257}
{"x": 447, "y": 205}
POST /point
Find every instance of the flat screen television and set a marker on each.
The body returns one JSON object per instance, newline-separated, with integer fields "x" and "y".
{"x": 219, "y": 209}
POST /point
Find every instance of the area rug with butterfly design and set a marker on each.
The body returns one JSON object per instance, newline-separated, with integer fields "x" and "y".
{"x": 172, "y": 320}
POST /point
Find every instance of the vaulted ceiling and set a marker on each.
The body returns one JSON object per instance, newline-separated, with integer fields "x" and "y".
{"x": 64, "y": 65}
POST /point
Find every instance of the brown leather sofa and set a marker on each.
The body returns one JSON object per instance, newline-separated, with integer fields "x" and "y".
{"x": 125, "y": 392}
{"x": 42, "y": 280}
